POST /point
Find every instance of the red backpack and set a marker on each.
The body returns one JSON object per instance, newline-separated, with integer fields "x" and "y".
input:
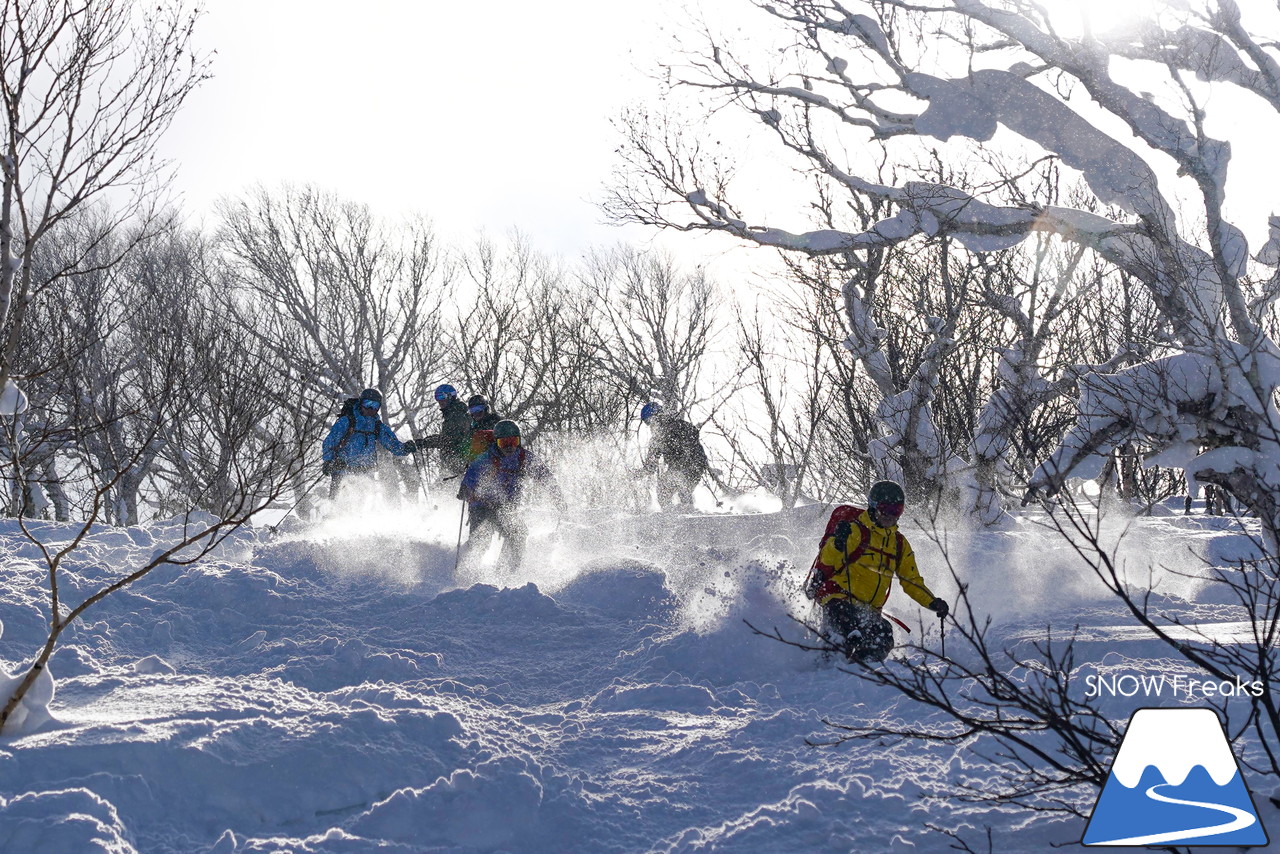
{"x": 819, "y": 585}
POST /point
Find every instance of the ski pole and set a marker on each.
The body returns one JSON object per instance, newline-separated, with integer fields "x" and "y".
{"x": 274, "y": 528}
{"x": 711, "y": 478}
{"x": 420, "y": 466}
{"x": 457, "y": 552}
{"x": 942, "y": 629}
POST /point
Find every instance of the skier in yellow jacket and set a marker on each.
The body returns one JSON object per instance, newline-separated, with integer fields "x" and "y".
{"x": 861, "y": 552}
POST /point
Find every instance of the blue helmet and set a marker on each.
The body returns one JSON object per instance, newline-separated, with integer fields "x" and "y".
{"x": 445, "y": 392}
{"x": 649, "y": 410}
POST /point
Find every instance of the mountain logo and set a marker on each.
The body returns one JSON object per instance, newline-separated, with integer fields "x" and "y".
{"x": 1175, "y": 779}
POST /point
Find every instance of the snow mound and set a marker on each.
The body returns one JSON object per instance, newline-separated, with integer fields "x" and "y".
{"x": 628, "y": 590}
{"x": 61, "y": 822}
{"x": 495, "y": 804}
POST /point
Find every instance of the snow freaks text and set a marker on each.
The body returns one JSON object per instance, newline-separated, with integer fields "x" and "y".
{"x": 1131, "y": 685}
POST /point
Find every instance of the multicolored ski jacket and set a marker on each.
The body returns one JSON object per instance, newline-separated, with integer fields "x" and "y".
{"x": 864, "y": 569}
{"x": 497, "y": 479}
{"x": 480, "y": 436}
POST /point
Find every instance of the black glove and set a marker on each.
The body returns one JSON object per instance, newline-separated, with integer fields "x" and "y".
{"x": 411, "y": 446}
{"x": 332, "y": 466}
{"x": 940, "y": 607}
{"x": 841, "y": 533}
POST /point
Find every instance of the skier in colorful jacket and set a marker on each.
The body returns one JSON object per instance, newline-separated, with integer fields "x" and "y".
{"x": 494, "y": 489}
{"x": 676, "y": 443}
{"x": 353, "y": 441}
{"x": 861, "y": 552}
{"x": 480, "y": 432}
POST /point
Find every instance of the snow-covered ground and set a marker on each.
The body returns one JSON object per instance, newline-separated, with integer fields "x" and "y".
{"x": 339, "y": 688}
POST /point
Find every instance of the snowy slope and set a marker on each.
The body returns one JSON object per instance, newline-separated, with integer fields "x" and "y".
{"x": 340, "y": 689}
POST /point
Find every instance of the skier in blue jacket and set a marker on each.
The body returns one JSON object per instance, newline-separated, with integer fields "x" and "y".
{"x": 353, "y": 441}
{"x": 493, "y": 488}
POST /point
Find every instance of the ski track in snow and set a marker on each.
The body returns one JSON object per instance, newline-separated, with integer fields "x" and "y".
{"x": 339, "y": 689}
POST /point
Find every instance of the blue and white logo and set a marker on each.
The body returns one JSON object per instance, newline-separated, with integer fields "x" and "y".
{"x": 1175, "y": 780}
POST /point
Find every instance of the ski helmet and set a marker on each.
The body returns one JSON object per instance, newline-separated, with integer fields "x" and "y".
{"x": 885, "y": 502}
{"x": 886, "y": 492}
{"x": 445, "y": 392}
{"x": 506, "y": 429}
{"x": 371, "y": 394}
{"x": 477, "y": 400}
{"x": 649, "y": 410}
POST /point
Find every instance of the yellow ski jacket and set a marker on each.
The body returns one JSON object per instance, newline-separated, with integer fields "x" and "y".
{"x": 864, "y": 571}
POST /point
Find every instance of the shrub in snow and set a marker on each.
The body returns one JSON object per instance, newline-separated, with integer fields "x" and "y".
{"x": 153, "y": 664}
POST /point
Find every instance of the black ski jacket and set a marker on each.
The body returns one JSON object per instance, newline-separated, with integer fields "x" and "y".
{"x": 454, "y": 438}
{"x": 676, "y": 443}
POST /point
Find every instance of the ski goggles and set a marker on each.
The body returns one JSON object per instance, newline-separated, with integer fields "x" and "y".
{"x": 889, "y": 511}
{"x": 371, "y": 404}
{"x": 477, "y": 410}
{"x": 508, "y": 442}
{"x": 442, "y": 396}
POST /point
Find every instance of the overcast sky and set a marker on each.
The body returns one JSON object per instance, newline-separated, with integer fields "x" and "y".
{"x": 493, "y": 115}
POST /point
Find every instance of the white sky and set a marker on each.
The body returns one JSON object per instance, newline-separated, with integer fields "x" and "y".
{"x": 494, "y": 115}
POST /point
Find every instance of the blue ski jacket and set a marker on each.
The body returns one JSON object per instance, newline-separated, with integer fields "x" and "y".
{"x": 355, "y": 438}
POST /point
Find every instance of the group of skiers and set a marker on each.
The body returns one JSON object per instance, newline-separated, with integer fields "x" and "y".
{"x": 485, "y": 451}
{"x": 859, "y": 555}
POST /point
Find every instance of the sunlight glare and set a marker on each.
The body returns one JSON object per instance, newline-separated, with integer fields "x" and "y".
{"x": 1075, "y": 18}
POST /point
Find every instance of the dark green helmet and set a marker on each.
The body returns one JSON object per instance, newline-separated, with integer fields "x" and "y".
{"x": 505, "y": 429}
{"x": 886, "y": 492}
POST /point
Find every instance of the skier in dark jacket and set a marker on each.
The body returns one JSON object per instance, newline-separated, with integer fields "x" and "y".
{"x": 483, "y": 420}
{"x": 861, "y": 552}
{"x": 676, "y": 443}
{"x": 454, "y": 438}
{"x": 494, "y": 488}
{"x": 353, "y": 441}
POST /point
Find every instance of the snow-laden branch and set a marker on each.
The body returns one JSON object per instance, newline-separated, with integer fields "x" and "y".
{"x": 1187, "y": 278}
{"x": 1184, "y": 286}
{"x": 1179, "y": 406}
{"x": 1218, "y": 50}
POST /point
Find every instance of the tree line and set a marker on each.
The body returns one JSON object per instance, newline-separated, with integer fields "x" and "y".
{"x": 165, "y": 356}
{"x": 152, "y": 375}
